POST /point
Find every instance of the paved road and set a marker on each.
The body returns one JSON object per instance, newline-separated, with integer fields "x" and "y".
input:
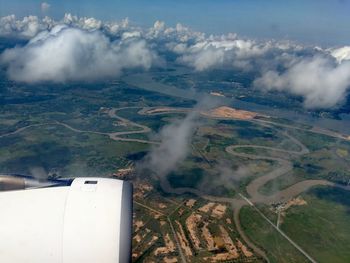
{"x": 284, "y": 166}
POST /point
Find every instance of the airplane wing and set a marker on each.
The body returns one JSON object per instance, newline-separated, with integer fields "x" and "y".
{"x": 89, "y": 220}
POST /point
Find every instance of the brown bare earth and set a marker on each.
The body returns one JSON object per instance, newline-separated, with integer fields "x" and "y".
{"x": 141, "y": 189}
{"x": 123, "y": 173}
{"x": 138, "y": 238}
{"x": 159, "y": 110}
{"x": 170, "y": 259}
{"x": 138, "y": 224}
{"x": 190, "y": 203}
{"x": 162, "y": 110}
{"x": 162, "y": 205}
{"x": 206, "y": 208}
{"x": 230, "y": 246}
{"x": 227, "y": 112}
{"x": 296, "y": 201}
{"x": 183, "y": 240}
{"x": 214, "y": 93}
{"x": 221, "y": 257}
{"x": 219, "y": 211}
{"x": 208, "y": 238}
{"x": 169, "y": 246}
{"x": 191, "y": 224}
{"x": 244, "y": 249}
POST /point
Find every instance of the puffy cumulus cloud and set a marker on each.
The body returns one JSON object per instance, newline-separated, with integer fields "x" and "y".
{"x": 228, "y": 51}
{"x": 320, "y": 80}
{"x": 192, "y": 48}
{"x": 204, "y": 59}
{"x": 341, "y": 54}
{"x": 279, "y": 65}
{"x": 87, "y": 23}
{"x": 174, "y": 35}
{"x": 45, "y": 7}
{"x": 26, "y": 28}
{"x": 71, "y": 54}
{"x": 91, "y": 24}
{"x": 321, "y": 77}
{"x": 131, "y": 34}
{"x": 157, "y": 29}
{"x": 30, "y": 26}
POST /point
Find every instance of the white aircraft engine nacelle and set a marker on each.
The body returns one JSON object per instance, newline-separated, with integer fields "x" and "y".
{"x": 89, "y": 221}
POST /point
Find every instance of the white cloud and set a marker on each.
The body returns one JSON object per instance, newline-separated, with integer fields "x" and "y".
{"x": 45, "y": 7}
{"x": 173, "y": 149}
{"x": 131, "y": 34}
{"x": 319, "y": 80}
{"x": 216, "y": 52}
{"x": 190, "y": 48}
{"x": 157, "y": 29}
{"x": 91, "y": 24}
{"x": 341, "y": 54}
{"x": 87, "y": 23}
{"x": 28, "y": 27}
{"x": 72, "y": 54}
{"x": 177, "y": 34}
{"x": 175, "y": 140}
{"x": 204, "y": 59}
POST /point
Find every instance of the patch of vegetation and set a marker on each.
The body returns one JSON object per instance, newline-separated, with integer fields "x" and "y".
{"x": 277, "y": 248}
{"x": 66, "y": 152}
{"x": 322, "y": 226}
{"x": 280, "y": 183}
{"x": 188, "y": 178}
{"x": 313, "y": 141}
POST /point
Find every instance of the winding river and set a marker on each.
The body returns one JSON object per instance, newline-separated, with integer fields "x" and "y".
{"x": 284, "y": 166}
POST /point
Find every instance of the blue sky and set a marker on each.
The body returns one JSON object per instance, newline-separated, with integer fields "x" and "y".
{"x": 321, "y": 22}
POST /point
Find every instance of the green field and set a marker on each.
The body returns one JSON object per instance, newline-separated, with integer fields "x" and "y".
{"x": 277, "y": 248}
{"x": 322, "y": 226}
{"x": 67, "y": 153}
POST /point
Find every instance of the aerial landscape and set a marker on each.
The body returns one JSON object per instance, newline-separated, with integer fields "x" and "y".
{"x": 238, "y": 149}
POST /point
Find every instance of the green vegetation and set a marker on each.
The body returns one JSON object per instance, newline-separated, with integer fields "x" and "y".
{"x": 187, "y": 178}
{"x": 64, "y": 152}
{"x": 280, "y": 183}
{"x": 61, "y": 151}
{"x": 313, "y": 141}
{"x": 322, "y": 226}
{"x": 277, "y": 248}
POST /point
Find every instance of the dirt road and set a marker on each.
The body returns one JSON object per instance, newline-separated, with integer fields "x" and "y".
{"x": 284, "y": 166}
